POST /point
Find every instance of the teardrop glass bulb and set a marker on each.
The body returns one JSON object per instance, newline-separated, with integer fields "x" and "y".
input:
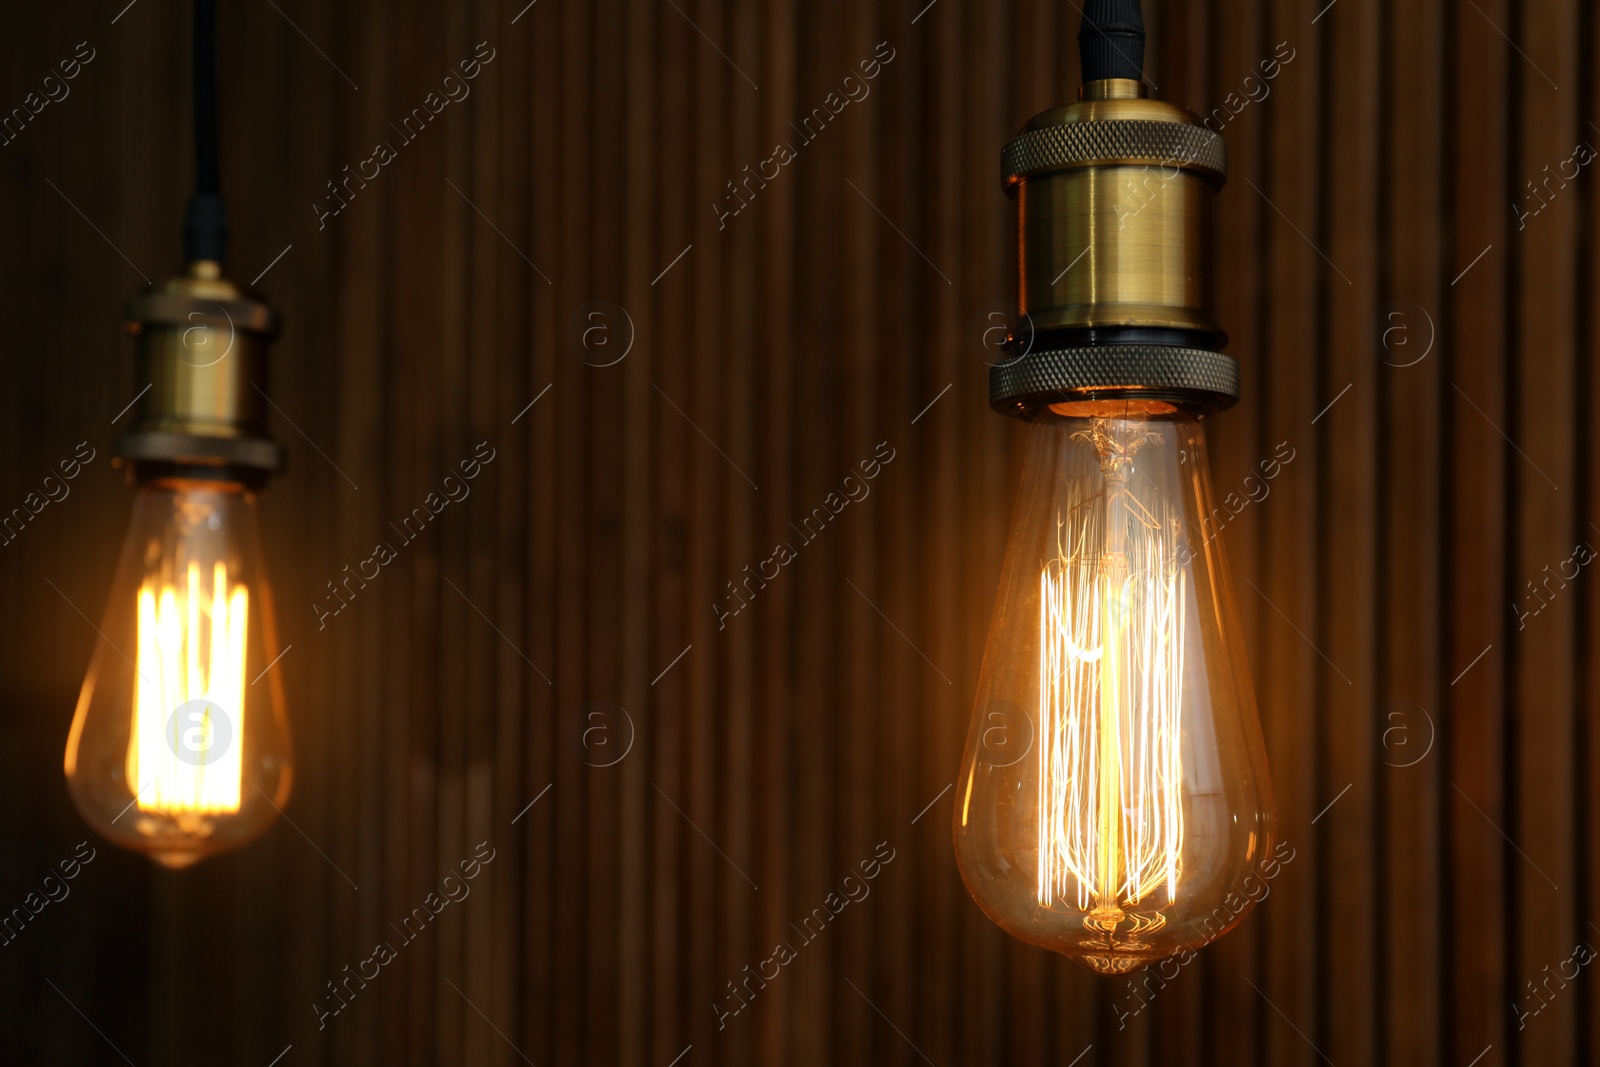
{"x": 179, "y": 747}
{"x": 1114, "y": 796}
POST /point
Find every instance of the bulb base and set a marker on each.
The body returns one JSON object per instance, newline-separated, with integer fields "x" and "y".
{"x": 200, "y": 360}
{"x": 1114, "y": 201}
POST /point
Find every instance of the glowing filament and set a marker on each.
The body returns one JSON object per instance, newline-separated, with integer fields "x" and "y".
{"x": 1111, "y": 629}
{"x": 191, "y": 649}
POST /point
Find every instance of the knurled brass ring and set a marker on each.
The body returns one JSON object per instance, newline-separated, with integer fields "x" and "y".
{"x": 188, "y": 309}
{"x": 255, "y": 453}
{"x": 1182, "y": 375}
{"x": 1103, "y": 142}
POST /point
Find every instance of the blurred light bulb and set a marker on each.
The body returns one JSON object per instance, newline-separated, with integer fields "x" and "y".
{"x": 179, "y": 746}
{"x": 1114, "y": 793}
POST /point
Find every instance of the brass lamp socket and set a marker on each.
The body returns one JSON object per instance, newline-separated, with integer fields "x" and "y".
{"x": 200, "y": 359}
{"x": 1114, "y": 231}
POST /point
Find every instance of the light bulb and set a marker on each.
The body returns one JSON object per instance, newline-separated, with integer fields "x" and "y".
{"x": 1114, "y": 798}
{"x": 179, "y": 747}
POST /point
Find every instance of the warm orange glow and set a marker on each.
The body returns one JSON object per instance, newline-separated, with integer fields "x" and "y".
{"x": 1111, "y": 619}
{"x": 191, "y": 648}
{"x": 1116, "y": 804}
{"x": 1111, "y": 826}
{"x": 179, "y": 747}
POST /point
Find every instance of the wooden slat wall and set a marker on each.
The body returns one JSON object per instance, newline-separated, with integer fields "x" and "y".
{"x": 1434, "y": 756}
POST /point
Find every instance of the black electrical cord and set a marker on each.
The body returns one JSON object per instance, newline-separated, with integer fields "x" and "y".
{"x": 205, "y": 227}
{"x": 1111, "y": 40}
{"x": 205, "y": 96}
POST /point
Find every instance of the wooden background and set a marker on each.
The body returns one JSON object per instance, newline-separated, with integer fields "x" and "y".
{"x": 1433, "y": 756}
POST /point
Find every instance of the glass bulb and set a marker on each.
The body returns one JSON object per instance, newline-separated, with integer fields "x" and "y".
{"x": 1114, "y": 796}
{"x": 180, "y": 747}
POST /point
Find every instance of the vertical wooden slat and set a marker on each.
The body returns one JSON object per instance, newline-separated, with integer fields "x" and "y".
{"x": 1587, "y": 743}
{"x": 403, "y": 1043}
{"x": 775, "y": 800}
{"x": 670, "y": 838}
{"x": 603, "y": 164}
{"x": 1475, "y": 342}
{"x": 1410, "y": 525}
{"x": 576, "y": 476}
{"x": 1298, "y": 270}
{"x": 461, "y": 691}
{"x": 363, "y": 236}
{"x": 959, "y": 1009}
{"x": 419, "y": 439}
{"x": 1360, "y": 341}
{"x": 538, "y": 36}
{"x": 741, "y": 396}
{"x": 859, "y": 740}
{"x": 902, "y": 725}
{"x": 1544, "y": 534}
{"x": 642, "y": 556}
{"x": 711, "y": 880}
{"x": 819, "y": 597}
{"x": 518, "y": 686}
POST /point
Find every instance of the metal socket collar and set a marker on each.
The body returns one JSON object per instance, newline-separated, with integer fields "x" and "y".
{"x": 200, "y": 361}
{"x": 1114, "y": 230}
